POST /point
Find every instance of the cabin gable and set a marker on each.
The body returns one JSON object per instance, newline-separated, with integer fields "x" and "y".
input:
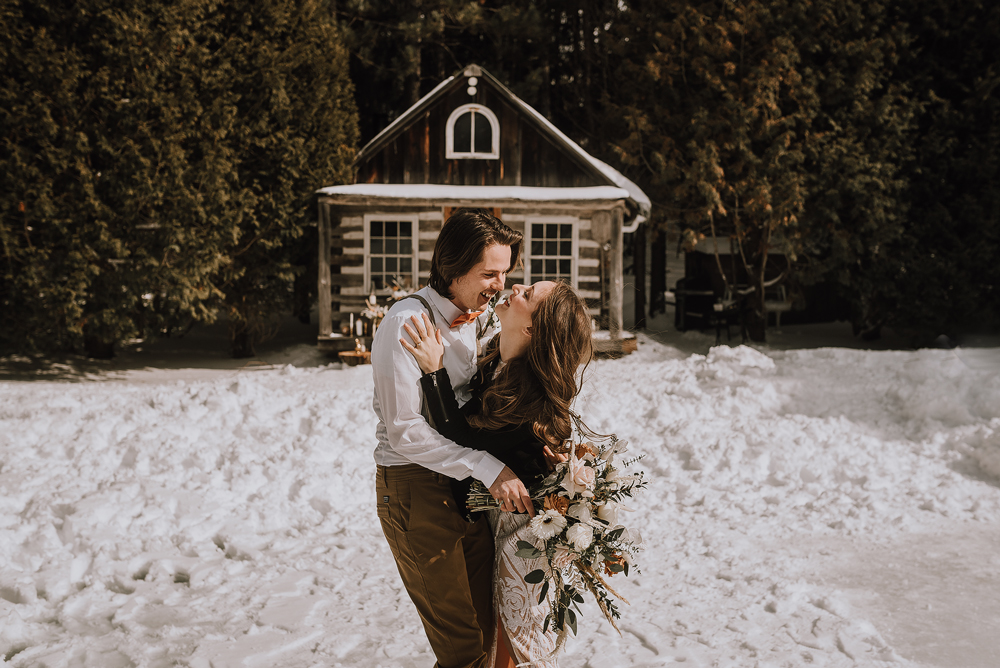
{"x": 416, "y": 152}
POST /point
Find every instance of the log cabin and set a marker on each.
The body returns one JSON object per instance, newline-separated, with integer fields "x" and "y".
{"x": 470, "y": 142}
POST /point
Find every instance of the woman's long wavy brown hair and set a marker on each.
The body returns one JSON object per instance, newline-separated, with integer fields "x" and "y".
{"x": 539, "y": 386}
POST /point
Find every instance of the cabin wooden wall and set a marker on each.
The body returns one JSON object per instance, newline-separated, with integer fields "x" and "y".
{"x": 416, "y": 154}
{"x": 346, "y": 251}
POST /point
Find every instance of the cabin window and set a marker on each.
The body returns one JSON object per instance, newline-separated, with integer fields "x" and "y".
{"x": 390, "y": 251}
{"x": 551, "y": 250}
{"x": 473, "y": 131}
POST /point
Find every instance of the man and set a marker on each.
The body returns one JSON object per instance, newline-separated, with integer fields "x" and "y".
{"x": 445, "y": 562}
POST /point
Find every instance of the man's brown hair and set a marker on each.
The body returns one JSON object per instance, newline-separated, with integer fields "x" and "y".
{"x": 462, "y": 244}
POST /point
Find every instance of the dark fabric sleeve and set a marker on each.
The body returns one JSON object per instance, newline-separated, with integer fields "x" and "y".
{"x": 515, "y": 446}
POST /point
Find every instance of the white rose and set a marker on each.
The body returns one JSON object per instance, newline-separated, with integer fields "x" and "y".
{"x": 580, "y": 536}
{"x": 609, "y": 513}
{"x": 580, "y": 511}
{"x": 579, "y": 477}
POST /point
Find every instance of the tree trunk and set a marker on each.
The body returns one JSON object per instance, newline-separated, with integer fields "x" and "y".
{"x": 657, "y": 271}
{"x": 754, "y": 317}
{"x": 755, "y": 246}
{"x": 639, "y": 269}
{"x": 240, "y": 343}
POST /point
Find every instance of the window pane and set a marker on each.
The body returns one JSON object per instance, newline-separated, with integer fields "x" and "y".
{"x": 551, "y": 247}
{"x": 405, "y": 246}
{"x": 536, "y": 247}
{"x": 390, "y": 228}
{"x": 550, "y": 266}
{"x": 376, "y": 247}
{"x": 552, "y": 231}
{"x": 390, "y": 265}
{"x": 405, "y": 265}
{"x": 391, "y": 246}
{"x": 405, "y": 228}
{"x": 376, "y": 228}
{"x": 376, "y": 265}
{"x": 565, "y": 247}
{"x": 378, "y": 282}
{"x": 463, "y": 133}
{"x": 536, "y": 269}
{"x": 484, "y": 135}
{"x": 564, "y": 267}
{"x": 566, "y": 231}
{"x": 537, "y": 231}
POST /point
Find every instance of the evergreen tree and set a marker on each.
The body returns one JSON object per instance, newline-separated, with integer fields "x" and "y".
{"x": 947, "y": 278}
{"x": 152, "y": 165}
{"x": 279, "y": 78}
{"x": 716, "y": 111}
{"x": 858, "y": 155}
{"x": 94, "y": 124}
{"x": 401, "y": 49}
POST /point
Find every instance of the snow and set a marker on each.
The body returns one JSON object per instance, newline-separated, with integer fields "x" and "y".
{"x": 808, "y": 507}
{"x": 477, "y": 193}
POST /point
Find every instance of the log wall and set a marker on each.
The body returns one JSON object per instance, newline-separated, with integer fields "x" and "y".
{"x": 345, "y": 249}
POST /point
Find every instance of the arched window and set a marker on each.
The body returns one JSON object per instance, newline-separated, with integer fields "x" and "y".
{"x": 473, "y": 131}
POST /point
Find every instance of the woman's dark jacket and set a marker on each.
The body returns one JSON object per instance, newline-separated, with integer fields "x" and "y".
{"x": 516, "y": 446}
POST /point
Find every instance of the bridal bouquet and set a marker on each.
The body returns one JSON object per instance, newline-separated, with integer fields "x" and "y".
{"x": 576, "y": 528}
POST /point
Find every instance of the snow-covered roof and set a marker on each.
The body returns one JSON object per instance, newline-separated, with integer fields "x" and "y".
{"x": 437, "y": 191}
{"x": 614, "y": 177}
{"x": 622, "y": 181}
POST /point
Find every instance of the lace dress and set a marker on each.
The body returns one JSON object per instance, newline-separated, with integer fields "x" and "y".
{"x": 515, "y": 601}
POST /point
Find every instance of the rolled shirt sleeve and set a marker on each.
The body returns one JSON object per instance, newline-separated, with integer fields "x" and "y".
{"x": 403, "y": 432}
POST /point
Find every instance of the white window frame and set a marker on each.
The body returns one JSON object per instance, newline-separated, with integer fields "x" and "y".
{"x": 412, "y": 218}
{"x": 574, "y": 256}
{"x": 449, "y": 133}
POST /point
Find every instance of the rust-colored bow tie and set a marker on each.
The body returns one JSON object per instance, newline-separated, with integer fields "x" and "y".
{"x": 465, "y": 317}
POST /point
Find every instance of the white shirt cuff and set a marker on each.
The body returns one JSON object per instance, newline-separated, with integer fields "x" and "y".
{"x": 488, "y": 469}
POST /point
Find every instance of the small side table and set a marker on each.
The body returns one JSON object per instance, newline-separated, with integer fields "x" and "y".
{"x": 354, "y": 358}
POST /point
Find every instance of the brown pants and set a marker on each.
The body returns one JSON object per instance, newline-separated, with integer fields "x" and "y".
{"x": 445, "y": 562}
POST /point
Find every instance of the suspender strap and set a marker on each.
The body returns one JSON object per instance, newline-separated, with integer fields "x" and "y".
{"x": 479, "y": 323}
{"x": 426, "y": 306}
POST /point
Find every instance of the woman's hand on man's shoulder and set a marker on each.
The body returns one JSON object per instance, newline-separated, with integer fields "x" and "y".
{"x": 426, "y": 347}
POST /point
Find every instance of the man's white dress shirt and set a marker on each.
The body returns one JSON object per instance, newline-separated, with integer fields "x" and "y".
{"x": 404, "y": 435}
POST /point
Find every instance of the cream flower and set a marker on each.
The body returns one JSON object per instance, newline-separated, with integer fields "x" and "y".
{"x": 609, "y": 513}
{"x": 548, "y": 524}
{"x": 579, "y": 477}
{"x": 563, "y": 557}
{"x": 580, "y": 535}
{"x": 618, "y": 448}
{"x": 580, "y": 511}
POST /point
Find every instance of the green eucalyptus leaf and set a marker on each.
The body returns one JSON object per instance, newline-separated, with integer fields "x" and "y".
{"x": 545, "y": 590}
{"x": 535, "y": 576}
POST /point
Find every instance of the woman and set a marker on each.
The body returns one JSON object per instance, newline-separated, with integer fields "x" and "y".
{"x": 528, "y": 376}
